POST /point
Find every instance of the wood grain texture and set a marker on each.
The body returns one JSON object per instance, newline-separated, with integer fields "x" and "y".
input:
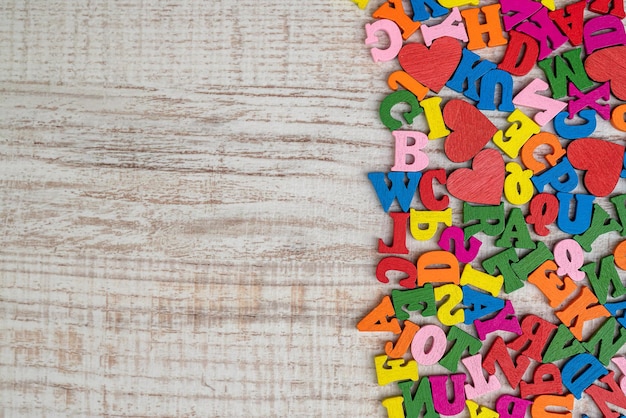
{"x": 182, "y": 227}
{"x": 187, "y": 225}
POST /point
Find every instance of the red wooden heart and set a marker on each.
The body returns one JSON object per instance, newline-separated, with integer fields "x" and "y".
{"x": 472, "y": 130}
{"x": 601, "y": 159}
{"x": 483, "y": 183}
{"x": 609, "y": 64}
{"x": 432, "y": 67}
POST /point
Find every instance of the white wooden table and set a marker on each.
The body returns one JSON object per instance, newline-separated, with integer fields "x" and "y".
{"x": 187, "y": 225}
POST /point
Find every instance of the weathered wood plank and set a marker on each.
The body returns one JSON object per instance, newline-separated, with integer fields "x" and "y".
{"x": 180, "y": 189}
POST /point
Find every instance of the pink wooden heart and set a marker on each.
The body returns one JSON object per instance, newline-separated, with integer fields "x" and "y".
{"x": 483, "y": 183}
{"x": 609, "y": 64}
{"x": 602, "y": 161}
{"x": 472, "y": 130}
{"x": 432, "y": 67}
